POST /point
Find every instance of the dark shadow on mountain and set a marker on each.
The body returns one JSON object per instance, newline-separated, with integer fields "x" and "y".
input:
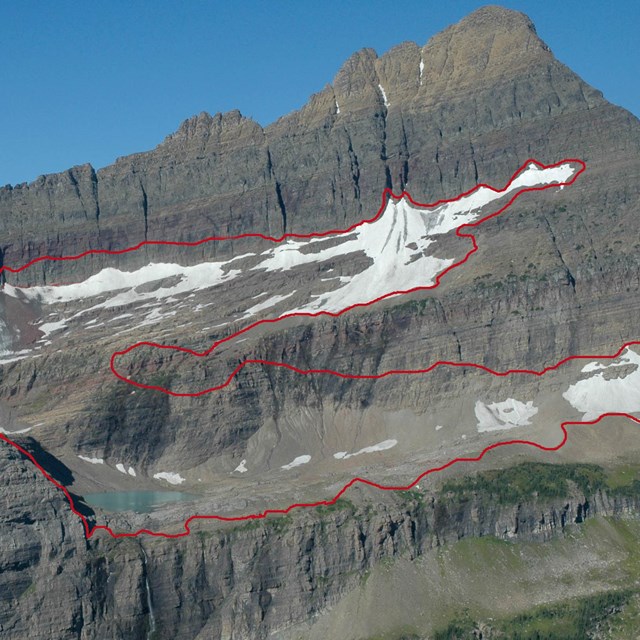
{"x": 58, "y": 471}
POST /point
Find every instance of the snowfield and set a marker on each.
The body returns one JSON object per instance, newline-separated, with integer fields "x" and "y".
{"x": 400, "y": 245}
{"x": 296, "y": 462}
{"x": 404, "y": 248}
{"x": 381, "y": 446}
{"x": 597, "y": 394}
{"x": 170, "y": 476}
{"x": 504, "y": 415}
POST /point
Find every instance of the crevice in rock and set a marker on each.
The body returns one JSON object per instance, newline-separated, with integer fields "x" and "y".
{"x": 278, "y": 190}
{"x": 473, "y": 159}
{"x": 383, "y": 152}
{"x": 570, "y": 279}
{"x": 281, "y": 205}
{"x": 440, "y": 176}
{"x": 151, "y": 626}
{"x": 355, "y": 170}
{"x": 145, "y": 210}
{"x": 94, "y": 188}
{"x": 459, "y": 346}
{"x": 404, "y": 154}
{"x": 76, "y": 190}
{"x": 387, "y": 174}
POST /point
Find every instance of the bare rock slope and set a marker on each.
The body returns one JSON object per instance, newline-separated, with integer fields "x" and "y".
{"x": 557, "y": 275}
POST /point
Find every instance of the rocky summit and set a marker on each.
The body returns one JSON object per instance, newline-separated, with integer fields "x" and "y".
{"x": 556, "y": 274}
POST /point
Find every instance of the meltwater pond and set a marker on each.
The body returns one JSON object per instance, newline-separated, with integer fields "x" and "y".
{"x": 138, "y": 501}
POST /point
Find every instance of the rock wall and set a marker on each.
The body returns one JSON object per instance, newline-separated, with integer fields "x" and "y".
{"x": 490, "y": 95}
{"x": 248, "y": 581}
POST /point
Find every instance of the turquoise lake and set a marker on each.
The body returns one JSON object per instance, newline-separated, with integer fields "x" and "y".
{"x": 138, "y": 501}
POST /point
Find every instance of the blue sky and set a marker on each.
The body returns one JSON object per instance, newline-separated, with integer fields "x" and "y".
{"x": 91, "y": 81}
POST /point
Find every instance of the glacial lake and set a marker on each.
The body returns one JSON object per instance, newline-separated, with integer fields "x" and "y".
{"x": 138, "y": 501}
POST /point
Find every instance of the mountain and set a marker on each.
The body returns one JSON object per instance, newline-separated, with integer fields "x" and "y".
{"x": 555, "y": 275}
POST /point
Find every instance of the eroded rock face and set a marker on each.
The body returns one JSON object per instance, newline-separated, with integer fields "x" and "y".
{"x": 252, "y": 580}
{"x": 470, "y": 106}
{"x": 467, "y": 107}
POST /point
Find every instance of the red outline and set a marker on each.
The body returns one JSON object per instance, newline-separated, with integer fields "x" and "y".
{"x": 89, "y": 530}
{"x": 386, "y": 193}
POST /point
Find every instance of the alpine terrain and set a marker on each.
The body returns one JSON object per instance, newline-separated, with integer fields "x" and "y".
{"x": 423, "y": 286}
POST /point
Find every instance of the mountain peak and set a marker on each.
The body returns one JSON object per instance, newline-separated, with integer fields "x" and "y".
{"x": 487, "y": 44}
{"x": 493, "y": 15}
{"x": 203, "y": 124}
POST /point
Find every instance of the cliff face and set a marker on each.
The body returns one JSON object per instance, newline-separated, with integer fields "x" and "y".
{"x": 252, "y": 581}
{"x": 471, "y": 105}
{"x": 559, "y": 274}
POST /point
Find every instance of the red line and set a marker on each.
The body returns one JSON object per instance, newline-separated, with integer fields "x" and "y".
{"x": 386, "y": 193}
{"x": 321, "y": 234}
{"x": 90, "y": 530}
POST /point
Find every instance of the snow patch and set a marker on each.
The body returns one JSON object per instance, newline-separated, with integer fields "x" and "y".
{"x": 109, "y": 280}
{"x": 593, "y": 366}
{"x": 421, "y": 70}
{"x": 296, "y": 462}
{"x": 384, "y": 96}
{"x": 11, "y": 433}
{"x": 49, "y": 327}
{"x": 121, "y": 317}
{"x": 595, "y": 395}
{"x": 10, "y": 290}
{"x": 398, "y": 244}
{"x": 337, "y": 107}
{"x": 266, "y": 304}
{"x": 14, "y": 356}
{"x": 381, "y": 446}
{"x": 627, "y": 357}
{"x": 120, "y": 468}
{"x": 169, "y": 476}
{"x": 92, "y": 460}
{"x": 155, "y": 316}
{"x": 242, "y": 467}
{"x": 504, "y": 415}
{"x": 131, "y": 471}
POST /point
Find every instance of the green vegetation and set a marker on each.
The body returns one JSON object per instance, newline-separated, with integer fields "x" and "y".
{"x": 571, "y": 620}
{"x": 525, "y": 481}
{"x": 276, "y": 523}
{"x": 623, "y": 478}
{"x": 279, "y": 523}
{"x": 339, "y": 505}
{"x": 31, "y": 588}
{"x": 204, "y": 534}
{"x": 410, "y": 496}
{"x": 543, "y": 480}
{"x": 414, "y": 306}
{"x": 583, "y": 584}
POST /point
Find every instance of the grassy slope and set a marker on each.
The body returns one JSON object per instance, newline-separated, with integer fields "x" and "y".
{"x": 587, "y": 579}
